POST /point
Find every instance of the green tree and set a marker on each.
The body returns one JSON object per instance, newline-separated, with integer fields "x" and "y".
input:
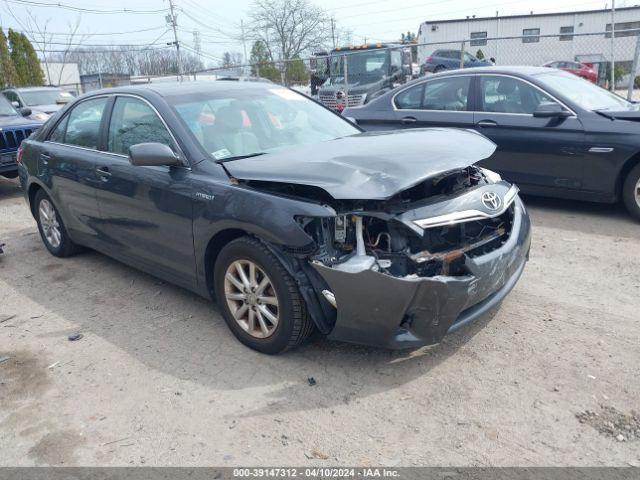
{"x": 480, "y": 54}
{"x": 261, "y": 62}
{"x": 36, "y": 77}
{"x": 296, "y": 72}
{"x": 25, "y": 60}
{"x": 8, "y": 76}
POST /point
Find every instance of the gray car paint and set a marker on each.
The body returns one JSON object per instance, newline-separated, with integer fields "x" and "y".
{"x": 225, "y": 210}
{"x": 369, "y": 166}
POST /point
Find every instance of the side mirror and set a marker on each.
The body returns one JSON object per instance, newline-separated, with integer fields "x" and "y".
{"x": 152, "y": 155}
{"x": 551, "y": 110}
{"x": 63, "y": 100}
{"x": 25, "y": 111}
{"x": 15, "y": 103}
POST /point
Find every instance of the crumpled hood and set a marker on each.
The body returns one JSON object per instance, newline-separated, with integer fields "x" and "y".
{"x": 369, "y": 166}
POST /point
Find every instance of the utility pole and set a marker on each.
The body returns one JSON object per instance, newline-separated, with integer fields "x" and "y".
{"x": 244, "y": 47}
{"x": 612, "y": 87}
{"x": 172, "y": 20}
{"x": 333, "y": 32}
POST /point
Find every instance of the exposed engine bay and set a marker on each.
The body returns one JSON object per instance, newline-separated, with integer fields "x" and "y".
{"x": 372, "y": 236}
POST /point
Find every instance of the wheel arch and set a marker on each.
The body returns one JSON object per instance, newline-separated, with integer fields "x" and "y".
{"x": 31, "y": 195}
{"x": 215, "y": 244}
{"x": 626, "y": 168}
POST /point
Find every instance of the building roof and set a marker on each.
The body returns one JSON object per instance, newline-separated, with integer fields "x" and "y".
{"x": 530, "y": 15}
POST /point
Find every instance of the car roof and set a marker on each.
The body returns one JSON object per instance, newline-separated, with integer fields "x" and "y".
{"x": 34, "y": 89}
{"x": 168, "y": 89}
{"x": 517, "y": 70}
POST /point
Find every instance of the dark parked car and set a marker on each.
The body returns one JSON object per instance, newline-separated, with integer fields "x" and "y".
{"x": 441, "y": 60}
{"x": 14, "y": 128}
{"x": 557, "y": 134}
{"x": 282, "y": 210}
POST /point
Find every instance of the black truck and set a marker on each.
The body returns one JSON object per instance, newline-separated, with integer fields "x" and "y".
{"x": 358, "y": 74}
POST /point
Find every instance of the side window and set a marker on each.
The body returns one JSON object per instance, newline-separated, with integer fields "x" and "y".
{"x": 13, "y": 97}
{"x": 450, "y": 94}
{"x": 410, "y": 99}
{"x": 83, "y": 123}
{"x": 57, "y": 135}
{"x": 509, "y": 95}
{"x": 133, "y": 121}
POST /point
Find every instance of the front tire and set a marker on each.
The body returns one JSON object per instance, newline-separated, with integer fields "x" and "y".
{"x": 631, "y": 192}
{"x": 259, "y": 300}
{"x": 52, "y": 230}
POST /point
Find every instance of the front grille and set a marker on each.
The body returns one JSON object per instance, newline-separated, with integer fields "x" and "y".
{"x": 443, "y": 249}
{"x": 329, "y": 100}
{"x": 10, "y": 139}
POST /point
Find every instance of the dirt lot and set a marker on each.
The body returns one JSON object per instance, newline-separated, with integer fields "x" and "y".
{"x": 158, "y": 379}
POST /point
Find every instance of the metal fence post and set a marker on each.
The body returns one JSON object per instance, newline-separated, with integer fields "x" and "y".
{"x": 346, "y": 81}
{"x": 462, "y": 55}
{"x": 634, "y": 70}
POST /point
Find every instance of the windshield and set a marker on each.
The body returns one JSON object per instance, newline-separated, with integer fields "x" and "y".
{"x": 237, "y": 123}
{"x": 369, "y": 65}
{"x": 6, "y": 108}
{"x": 583, "y": 93}
{"x": 45, "y": 97}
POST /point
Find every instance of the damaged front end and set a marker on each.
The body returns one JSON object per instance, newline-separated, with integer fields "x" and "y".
{"x": 406, "y": 271}
{"x": 412, "y": 246}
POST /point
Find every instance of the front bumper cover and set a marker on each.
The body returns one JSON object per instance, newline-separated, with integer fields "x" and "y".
{"x": 380, "y": 310}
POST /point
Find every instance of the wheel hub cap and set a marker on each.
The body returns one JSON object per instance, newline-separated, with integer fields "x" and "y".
{"x": 251, "y": 298}
{"x": 49, "y": 222}
{"x": 637, "y": 192}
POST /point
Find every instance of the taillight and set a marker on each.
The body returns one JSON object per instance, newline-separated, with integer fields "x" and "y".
{"x": 19, "y": 154}
{"x": 429, "y": 58}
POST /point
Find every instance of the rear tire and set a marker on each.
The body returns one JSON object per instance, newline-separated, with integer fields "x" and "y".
{"x": 52, "y": 230}
{"x": 269, "y": 320}
{"x": 631, "y": 192}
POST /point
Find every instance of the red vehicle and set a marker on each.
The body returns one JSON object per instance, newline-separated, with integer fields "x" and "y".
{"x": 583, "y": 70}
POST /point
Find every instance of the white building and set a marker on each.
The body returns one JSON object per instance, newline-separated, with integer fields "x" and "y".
{"x": 537, "y": 38}
{"x": 55, "y": 73}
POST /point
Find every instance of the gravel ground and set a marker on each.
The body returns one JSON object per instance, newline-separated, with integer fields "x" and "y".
{"x": 157, "y": 379}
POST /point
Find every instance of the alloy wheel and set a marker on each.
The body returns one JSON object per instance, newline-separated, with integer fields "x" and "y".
{"x": 49, "y": 223}
{"x": 636, "y": 192}
{"x": 252, "y": 298}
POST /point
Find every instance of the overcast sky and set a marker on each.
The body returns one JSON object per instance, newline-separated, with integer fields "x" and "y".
{"x": 218, "y": 21}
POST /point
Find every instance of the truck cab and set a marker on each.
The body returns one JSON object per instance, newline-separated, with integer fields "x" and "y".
{"x": 358, "y": 74}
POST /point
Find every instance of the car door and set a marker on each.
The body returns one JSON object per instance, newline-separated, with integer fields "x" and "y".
{"x": 146, "y": 211}
{"x": 539, "y": 154}
{"x": 440, "y": 102}
{"x": 67, "y": 160}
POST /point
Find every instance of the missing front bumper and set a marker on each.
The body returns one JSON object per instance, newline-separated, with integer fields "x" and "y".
{"x": 381, "y": 310}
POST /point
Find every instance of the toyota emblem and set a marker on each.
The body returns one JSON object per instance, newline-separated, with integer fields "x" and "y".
{"x": 491, "y": 200}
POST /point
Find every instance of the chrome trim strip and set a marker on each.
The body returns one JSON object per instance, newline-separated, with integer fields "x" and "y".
{"x": 601, "y": 150}
{"x": 468, "y": 215}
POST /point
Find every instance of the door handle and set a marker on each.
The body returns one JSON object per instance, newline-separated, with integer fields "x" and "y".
{"x": 103, "y": 172}
{"x": 44, "y": 158}
{"x": 486, "y": 124}
{"x": 408, "y": 120}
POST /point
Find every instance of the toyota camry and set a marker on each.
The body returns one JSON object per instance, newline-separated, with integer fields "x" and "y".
{"x": 289, "y": 216}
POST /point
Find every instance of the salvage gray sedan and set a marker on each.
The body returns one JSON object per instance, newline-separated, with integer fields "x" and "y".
{"x": 287, "y": 214}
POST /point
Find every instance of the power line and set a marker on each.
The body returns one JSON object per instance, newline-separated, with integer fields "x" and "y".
{"x": 84, "y": 10}
{"x": 68, "y": 34}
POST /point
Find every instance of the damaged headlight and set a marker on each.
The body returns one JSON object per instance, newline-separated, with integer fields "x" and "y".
{"x": 490, "y": 175}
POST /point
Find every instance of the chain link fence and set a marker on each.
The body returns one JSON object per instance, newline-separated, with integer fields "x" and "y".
{"x": 353, "y": 75}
